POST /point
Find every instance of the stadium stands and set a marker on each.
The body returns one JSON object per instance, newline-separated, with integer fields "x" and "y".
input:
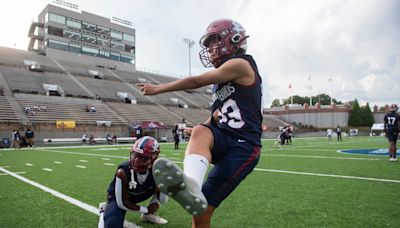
{"x": 12, "y": 57}
{"x": 273, "y": 122}
{"x": 107, "y": 90}
{"x": 7, "y": 113}
{"x": 83, "y": 70}
{"x": 192, "y": 116}
{"x": 67, "y": 109}
{"x": 139, "y": 112}
{"x": 24, "y": 81}
{"x": 189, "y": 98}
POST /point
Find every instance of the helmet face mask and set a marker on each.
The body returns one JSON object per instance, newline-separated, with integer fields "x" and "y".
{"x": 223, "y": 38}
{"x": 143, "y": 154}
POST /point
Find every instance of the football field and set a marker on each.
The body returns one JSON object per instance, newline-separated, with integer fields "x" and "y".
{"x": 308, "y": 184}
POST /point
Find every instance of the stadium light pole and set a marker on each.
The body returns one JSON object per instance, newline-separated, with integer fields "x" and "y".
{"x": 190, "y": 44}
{"x": 330, "y": 84}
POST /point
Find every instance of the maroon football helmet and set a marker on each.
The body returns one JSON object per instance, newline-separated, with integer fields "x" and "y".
{"x": 223, "y": 38}
{"x": 143, "y": 154}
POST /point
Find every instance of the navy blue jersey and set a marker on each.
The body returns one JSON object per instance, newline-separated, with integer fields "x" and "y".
{"x": 29, "y": 134}
{"x": 239, "y": 107}
{"x": 391, "y": 121}
{"x": 141, "y": 192}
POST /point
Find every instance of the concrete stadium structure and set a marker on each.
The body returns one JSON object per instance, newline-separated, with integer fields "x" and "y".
{"x": 318, "y": 116}
{"x": 70, "y": 35}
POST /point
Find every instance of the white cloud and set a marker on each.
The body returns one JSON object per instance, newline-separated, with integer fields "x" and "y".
{"x": 368, "y": 82}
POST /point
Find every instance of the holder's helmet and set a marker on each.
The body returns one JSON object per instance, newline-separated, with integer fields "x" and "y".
{"x": 223, "y": 38}
{"x": 143, "y": 154}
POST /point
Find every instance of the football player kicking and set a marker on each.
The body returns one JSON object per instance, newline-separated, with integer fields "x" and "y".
{"x": 134, "y": 183}
{"x": 391, "y": 128}
{"x": 230, "y": 139}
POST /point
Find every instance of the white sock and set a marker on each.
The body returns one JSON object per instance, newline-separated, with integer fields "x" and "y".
{"x": 101, "y": 220}
{"x": 195, "y": 166}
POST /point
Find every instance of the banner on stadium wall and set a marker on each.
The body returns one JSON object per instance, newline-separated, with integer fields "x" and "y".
{"x": 65, "y": 123}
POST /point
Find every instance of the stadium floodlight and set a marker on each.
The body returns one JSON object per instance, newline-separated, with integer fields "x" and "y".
{"x": 190, "y": 44}
{"x": 330, "y": 84}
{"x": 121, "y": 21}
{"x": 66, "y": 4}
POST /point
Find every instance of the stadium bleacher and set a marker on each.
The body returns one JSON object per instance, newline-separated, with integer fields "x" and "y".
{"x": 139, "y": 112}
{"x": 273, "y": 122}
{"x": 7, "y": 113}
{"x": 83, "y": 70}
{"x": 61, "y": 109}
{"x": 23, "y": 81}
{"x": 191, "y": 115}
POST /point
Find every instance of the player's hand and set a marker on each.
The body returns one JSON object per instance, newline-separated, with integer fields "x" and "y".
{"x": 153, "y": 207}
{"x": 148, "y": 89}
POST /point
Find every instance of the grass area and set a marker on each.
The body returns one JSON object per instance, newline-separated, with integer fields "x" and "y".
{"x": 308, "y": 184}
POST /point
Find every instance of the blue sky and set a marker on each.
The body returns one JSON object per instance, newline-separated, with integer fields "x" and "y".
{"x": 353, "y": 42}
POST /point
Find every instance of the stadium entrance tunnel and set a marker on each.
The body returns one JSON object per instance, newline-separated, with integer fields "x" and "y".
{"x": 367, "y": 151}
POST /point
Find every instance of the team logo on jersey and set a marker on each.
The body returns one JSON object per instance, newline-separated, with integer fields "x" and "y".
{"x": 224, "y": 92}
{"x": 367, "y": 151}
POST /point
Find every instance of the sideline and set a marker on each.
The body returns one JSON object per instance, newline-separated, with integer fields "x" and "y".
{"x": 78, "y": 146}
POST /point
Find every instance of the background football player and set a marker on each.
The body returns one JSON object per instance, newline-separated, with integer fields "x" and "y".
{"x": 391, "y": 128}
{"x": 133, "y": 183}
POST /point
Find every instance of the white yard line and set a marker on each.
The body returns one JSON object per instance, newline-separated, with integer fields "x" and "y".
{"x": 97, "y": 155}
{"x": 69, "y": 199}
{"x": 57, "y": 162}
{"x": 28, "y": 164}
{"x": 80, "y": 166}
{"x": 5, "y": 174}
{"x": 328, "y": 175}
{"x": 110, "y": 164}
{"x": 323, "y": 175}
{"x": 83, "y": 160}
{"x": 47, "y": 169}
{"x": 293, "y": 149}
{"x": 108, "y": 149}
{"x": 321, "y": 157}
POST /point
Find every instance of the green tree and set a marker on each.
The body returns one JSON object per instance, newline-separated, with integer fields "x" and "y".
{"x": 367, "y": 117}
{"x": 296, "y": 100}
{"x": 276, "y": 103}
{"x": 355, "y": 115}
{"x": 322, "y": 98}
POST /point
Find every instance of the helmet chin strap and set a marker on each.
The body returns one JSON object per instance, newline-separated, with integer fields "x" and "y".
{"x": 132, "y": 183}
